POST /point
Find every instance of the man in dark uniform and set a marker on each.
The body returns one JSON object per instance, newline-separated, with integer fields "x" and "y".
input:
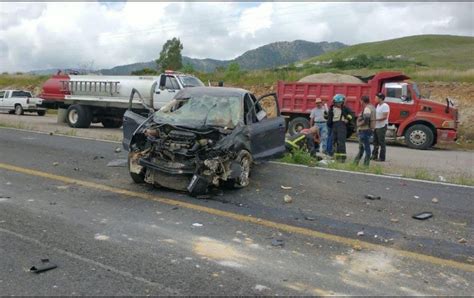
{"x": 340, "y": 118}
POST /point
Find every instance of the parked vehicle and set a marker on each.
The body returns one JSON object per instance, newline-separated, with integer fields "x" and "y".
{"x": 19, "y": 101}
{"x": 422, "y": 123}
{"x": 104, "y": 99}
{"x": 205, "y": 136}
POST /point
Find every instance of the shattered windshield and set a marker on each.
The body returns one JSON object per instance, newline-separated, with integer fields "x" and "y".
{"x": 202, "y": 110}
{"x": 189, "y": 81}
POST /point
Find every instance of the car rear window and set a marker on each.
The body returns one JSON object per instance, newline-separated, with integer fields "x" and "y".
{"x": 21, "y": 94}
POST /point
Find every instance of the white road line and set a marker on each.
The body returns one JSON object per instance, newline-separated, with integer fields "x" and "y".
{"x": 89, "y": 261}
{"x": 277, "y": 162}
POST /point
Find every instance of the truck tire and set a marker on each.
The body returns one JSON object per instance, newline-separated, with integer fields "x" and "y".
{"x": 419, "y": 136}
{"x": 297, "y": 124}
{"x": 19, "y": 110}
{"x": 112, "y": 123}
{"x": 41, "y": 113}
{"x": 79, "y": 116}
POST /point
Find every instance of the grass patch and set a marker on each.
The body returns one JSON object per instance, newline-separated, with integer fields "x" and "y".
{"x": 17, "y": 125}
{"x": 299, "y": 157}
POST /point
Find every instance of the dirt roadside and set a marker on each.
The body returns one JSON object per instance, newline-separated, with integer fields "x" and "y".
{"x": 443, "y": 164}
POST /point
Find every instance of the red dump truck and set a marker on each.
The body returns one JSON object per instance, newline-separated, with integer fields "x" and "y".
{"x": 420, "y": 122}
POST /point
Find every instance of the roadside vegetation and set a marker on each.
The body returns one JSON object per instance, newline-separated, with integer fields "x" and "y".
{"x": 301, "y": 157}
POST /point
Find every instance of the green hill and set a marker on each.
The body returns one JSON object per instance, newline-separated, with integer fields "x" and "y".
{"x": 437, "y": 51}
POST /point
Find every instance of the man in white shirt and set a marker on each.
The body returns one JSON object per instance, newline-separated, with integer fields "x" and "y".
{"x": 317, "y": 119}
{"x": 382, "y": 112}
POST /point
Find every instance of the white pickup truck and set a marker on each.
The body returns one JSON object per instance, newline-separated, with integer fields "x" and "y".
{"x": 18, "y": 102}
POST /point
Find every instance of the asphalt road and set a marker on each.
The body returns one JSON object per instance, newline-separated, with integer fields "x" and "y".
{"x": 59, "y": 200}
{"x": 401, "y": 160}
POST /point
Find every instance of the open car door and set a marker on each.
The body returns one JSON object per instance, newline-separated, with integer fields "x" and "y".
{"x": 267, "y": 128}
{"x": 132, "y": 121}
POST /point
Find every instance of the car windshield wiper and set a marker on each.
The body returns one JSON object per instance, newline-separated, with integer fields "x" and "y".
{"x": 207, "y": 115}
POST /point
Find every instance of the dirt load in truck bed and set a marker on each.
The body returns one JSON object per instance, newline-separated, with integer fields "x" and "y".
{"x": 330, "y": 78}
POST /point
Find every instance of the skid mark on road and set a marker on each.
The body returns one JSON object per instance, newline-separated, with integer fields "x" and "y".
{"x": 242, "y": 218}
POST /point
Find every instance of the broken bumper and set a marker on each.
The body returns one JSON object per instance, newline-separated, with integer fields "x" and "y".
{"x": 446, "y": 136}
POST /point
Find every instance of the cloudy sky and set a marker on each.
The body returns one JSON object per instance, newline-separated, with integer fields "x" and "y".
{"x": 105, "y": 34}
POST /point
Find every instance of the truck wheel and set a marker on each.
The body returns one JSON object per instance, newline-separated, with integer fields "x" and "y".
{"x": 297, "y": 124}
{"x": 41, "y": 113}
{"x": 245, "y": 161}
{"x": 112, "y": 123}
{"x": 137, "y": 178}
{"x": 79, "y": 116}
{"x": 419, "y": 136}
{"x": 18, "y": 110}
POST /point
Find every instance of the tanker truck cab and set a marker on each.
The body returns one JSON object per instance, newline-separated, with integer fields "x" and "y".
{"x": 422, "y": 123}
{"x": 169, "y": 84}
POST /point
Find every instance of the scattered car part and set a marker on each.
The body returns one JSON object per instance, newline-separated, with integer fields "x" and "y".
{"x": 44, "y": 266}
{"x": 278, "y": 242}
{"x": 423, "y": 215}
{"x": 372, "y": 197}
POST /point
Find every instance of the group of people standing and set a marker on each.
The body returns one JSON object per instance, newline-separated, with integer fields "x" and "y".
{"x": 336, "y": 123}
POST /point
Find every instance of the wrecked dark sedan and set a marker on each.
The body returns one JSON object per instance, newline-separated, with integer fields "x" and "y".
{"x": 206, "y": 136}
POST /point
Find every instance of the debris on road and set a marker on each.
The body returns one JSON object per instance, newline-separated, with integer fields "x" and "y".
{"x": 4, "y": 197}
{"x": 434, "y": 200}
{"x": 197, "y": 224}
{"x": 118, "y": 150}
{"x": 416, "y": 197}
{"x": 361, "y": 233}
{"x": 44, "y": 266}
{"x": 286, "y": 187}
{"x": 261, "y": 288}
{"x": 98, "y": 157}
{"x": 462, "y": 240}
{"x": 395, "y": 220}
{"x": 372, "y": 197}
{"x": 288, "y": 199}
{"x": 340, "y": 181}
{"x": 423, "y": 215}
{"x": 55, "y": 163}
{"x": 278, "y": 242}
{"x": 357, "y": 247}
{"x": 442, "y": 179}
{"x": 117, "y": 163}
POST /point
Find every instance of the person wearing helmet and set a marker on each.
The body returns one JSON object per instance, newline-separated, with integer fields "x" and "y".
{"x": 339, "y": 119}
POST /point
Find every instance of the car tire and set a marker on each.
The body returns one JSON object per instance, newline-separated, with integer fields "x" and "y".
{"x": 137, "y": 178}
{"x": 297, "y": 124}
{"x": 112, "y": 123}
{"x": 245, "y": 160}
{"x": 419, "y": 136}
{"x": 19, "y": 110}
{"x": 41, "y": 113}
{"x": 78, "y": 116}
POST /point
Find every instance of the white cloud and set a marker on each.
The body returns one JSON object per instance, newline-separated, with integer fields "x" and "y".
{"x": 52, "y": 35}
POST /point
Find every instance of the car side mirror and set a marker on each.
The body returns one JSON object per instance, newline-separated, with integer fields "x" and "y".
{"x": 162, "y": 82}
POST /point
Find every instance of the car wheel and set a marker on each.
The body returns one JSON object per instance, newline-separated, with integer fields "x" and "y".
{"x": 112, "y": 123}
{"x": 245, "y": 161}
{"x": 419, "y": 136}
{"x": 18, "y": 110}
{"x": 79, "y": 116}
{"x": 137, "y": 178}
{"x": 297, "y": 124}
{"x": 41, "y": 113}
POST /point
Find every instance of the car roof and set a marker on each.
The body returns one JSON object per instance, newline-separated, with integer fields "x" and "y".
{"x": 215, "y": 91}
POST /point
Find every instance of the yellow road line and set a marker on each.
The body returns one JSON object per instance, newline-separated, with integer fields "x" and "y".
{"x": 242, "y": 218}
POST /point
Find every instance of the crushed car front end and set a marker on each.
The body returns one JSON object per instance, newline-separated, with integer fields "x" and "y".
{"x": 192, "y": 155}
